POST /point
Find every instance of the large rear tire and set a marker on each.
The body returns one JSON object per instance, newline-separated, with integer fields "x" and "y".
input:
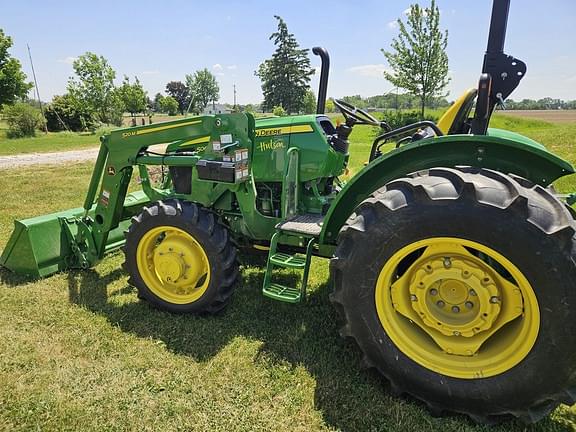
{"x": 180, "y": 258}
{"x": 458, "y": 285}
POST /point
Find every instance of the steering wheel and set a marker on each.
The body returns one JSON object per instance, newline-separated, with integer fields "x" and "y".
{"x": 359, "y": 115}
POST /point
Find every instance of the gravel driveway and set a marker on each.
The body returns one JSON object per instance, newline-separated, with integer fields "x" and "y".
{"x": 55, "y": 158}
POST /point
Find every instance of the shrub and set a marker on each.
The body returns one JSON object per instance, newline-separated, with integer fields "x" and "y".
{"x": 279, "y": 111}
{"x": 398, "y": 119}
{"x": 23, "y": 120}
{"x": 65, "y": 113}
{"x": 169, "y": 105}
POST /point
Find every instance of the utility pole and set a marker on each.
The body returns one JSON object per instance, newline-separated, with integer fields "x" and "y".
{"x": 234, "y": 97}
{"x": 37, "y": 91}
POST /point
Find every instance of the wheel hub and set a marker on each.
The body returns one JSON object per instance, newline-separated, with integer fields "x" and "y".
{"x": 453, "y": 295}
{"x": 173, "y": 264}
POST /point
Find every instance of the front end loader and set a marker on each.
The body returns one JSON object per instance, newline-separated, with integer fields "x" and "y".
{"x": 453, "y": 261}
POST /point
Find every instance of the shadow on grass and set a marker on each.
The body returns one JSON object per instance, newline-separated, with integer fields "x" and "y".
{"x": 350, "y": 399}
{"x": 10, "y": 278}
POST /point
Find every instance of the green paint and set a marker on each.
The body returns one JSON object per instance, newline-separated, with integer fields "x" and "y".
{"x": 81, "y": 237}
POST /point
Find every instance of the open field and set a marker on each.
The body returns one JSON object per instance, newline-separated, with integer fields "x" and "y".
{"x": 553, "y": 116}
{"x": 79, "y": 351}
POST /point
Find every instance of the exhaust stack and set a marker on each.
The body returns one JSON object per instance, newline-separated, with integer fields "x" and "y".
{"x": 321, "y": 104}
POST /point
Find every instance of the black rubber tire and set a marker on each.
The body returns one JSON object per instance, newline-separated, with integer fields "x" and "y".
{"x": 521, "y": 221}
{"x": 211, "y": 235}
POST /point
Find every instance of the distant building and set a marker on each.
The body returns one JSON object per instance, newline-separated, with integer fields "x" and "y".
{"x": 215, "y": 108}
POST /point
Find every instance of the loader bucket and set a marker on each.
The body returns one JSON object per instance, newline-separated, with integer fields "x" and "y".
{"x": 40, "y": 246}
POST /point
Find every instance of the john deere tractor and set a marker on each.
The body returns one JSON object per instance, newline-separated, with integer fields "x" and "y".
{"x": 453, "y": 261}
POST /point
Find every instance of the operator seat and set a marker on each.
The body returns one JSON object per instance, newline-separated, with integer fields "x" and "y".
{"x": 454, "y": 120}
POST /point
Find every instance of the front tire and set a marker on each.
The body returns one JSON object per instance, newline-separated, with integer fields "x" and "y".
{"x": 180, "y": 258}
{"x": 458, "y": 286}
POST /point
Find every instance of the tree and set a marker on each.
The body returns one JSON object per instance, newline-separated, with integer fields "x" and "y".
{"x": 203, "y": 88}
{"x": 93, "y": 88}
{"x": 279, "y": 111}
{"x": 330, "y": 107}
{"x": 180, "y": 92}
{"x": 169, "y": 105}
{"x": 23, "y": 119}
{"x": 309, "y": 102}
{"x": 285, "y": 76}
{"x": 418, "y": 58}
{"x": 13, "y": 83}
{"x": 133, "y": 96}
{"x": 156, "y": 102}
{"x": 63, "y": 113}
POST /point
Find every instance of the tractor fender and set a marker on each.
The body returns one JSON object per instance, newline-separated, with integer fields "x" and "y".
{"x": 502, "y": 151}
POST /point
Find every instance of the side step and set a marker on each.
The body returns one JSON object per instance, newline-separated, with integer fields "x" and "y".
{"x": 307, "y": 226}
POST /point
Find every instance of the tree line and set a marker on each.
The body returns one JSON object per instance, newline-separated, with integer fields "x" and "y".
{"x": 417, "y": 59}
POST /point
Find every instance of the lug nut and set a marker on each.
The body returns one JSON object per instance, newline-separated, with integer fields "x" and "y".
{"x": 440, "y": 303}
{"x": 494, "y": 299}
{"x": 456, "y": 333}
{"x": 433, "y": 291}
{"x": 455, "y": 309}
{"x": 473, "y": 293}
{"x": 447, "y": 262}
{"x": 469, "y": 304}
{"x": 413, "y": 298}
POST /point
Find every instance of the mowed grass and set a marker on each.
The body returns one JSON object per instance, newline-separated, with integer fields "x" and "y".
{"x": 79, "y": 351}
{"x": 61, "y": 141}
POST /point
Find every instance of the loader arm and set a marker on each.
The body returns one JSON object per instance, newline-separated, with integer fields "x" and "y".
{"x": 79, "y": 238}
{"x": 119, "y": 152}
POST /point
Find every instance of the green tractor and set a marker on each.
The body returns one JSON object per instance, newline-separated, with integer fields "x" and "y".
{"x": 453, "y": 261}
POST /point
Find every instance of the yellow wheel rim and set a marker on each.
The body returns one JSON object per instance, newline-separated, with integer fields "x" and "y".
{"x": 457, "y": 307}
{"x": 173, "y": 265}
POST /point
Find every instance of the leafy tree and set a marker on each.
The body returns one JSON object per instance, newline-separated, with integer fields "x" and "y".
{"x": 279, "y": 111}
{"x": 156, "y": 102}
{"x": 169, "y": 105}
{"x": 63, "y": 113}
{"x": 355, "y": 100}
{"x": 285, "y": 76}
{"x": 203, "y": 88}
{"x": 330, "y": 107}
{"x": 93, "y": 88}
{"x": 418, "y": 58}
{"x": 180, "y": 92}
{"x": 309, "y": 102}
{"x": 133, "y": 96}
{"x": 23, "y": 120}
{"x": 13, "y": 83}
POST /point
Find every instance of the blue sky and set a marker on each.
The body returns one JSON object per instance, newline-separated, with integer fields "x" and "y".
{"x": 162, "y": 41}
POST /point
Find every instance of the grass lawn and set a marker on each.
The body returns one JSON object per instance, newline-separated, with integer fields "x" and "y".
{"x": 79, "y": 351}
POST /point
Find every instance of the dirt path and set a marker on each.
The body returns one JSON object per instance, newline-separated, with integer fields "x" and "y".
{"x": 55, "y": 158}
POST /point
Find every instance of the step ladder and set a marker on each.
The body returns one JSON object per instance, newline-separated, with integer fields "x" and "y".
{"x": 306, "y": 226}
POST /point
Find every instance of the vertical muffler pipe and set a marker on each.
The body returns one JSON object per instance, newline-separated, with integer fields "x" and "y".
{"x": 321, "y": 105}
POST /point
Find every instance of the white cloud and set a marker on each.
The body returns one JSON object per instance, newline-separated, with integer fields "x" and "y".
{"x": 393, "y": 25}
{"x": 369, "y": 70}
{"x": 151, "y": 72}
{"x": 68, "y": 60}
{"x": 232, "y": 67}
{"x": 217, "y": 67}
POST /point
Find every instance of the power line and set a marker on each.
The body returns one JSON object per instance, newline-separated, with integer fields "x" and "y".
{"x": 37, "y": 91}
